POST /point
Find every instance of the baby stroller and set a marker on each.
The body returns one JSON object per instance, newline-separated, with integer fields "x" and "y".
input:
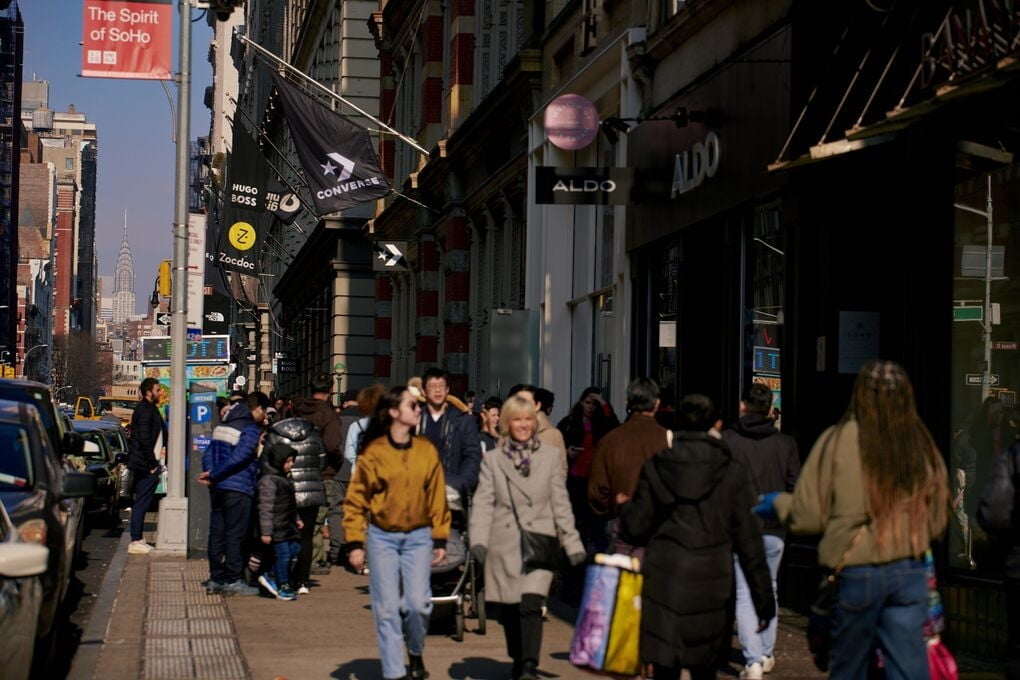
{"x": 458, "y": 580}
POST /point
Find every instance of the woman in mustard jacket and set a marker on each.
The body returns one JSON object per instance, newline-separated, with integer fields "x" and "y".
{"x": 399, "y": 483}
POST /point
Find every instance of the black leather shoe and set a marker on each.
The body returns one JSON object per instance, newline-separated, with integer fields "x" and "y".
{"x": 417, "y": 668}
{"x": 529, "y": 671}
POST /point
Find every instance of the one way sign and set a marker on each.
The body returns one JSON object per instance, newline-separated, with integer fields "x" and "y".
{"x": 390, "y": 256}
{"x": 164, "y": 319}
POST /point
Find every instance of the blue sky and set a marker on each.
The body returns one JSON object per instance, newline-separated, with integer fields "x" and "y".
{"x": 136, "y": 152}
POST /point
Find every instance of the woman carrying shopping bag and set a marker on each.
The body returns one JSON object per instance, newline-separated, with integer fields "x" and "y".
{"x": 520, "y": 523}
{"x": 875, "y": 487}
{"x": 399, "y": 484}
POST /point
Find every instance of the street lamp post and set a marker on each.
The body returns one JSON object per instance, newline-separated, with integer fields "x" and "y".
{"x": 24, "y": 359}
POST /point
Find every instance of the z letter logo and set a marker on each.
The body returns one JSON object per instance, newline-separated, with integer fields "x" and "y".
{"x": 346, "y": 166}
{"x": 241, "y": 235}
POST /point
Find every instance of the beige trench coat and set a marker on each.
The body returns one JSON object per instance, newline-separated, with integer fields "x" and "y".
{"x": 543, "y": 507}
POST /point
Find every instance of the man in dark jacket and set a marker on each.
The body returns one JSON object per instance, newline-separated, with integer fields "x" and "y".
{"x": 774, "y": 463}
{"x": 692, "y": 509}
{"x": 454, "y": 433}
{"x": 335, "y": 476}
{"x": 148, "y": 438}
{"x": 999, "y": 514}
{"x": 230, "y": 469}
{"x": 620, "y": 455}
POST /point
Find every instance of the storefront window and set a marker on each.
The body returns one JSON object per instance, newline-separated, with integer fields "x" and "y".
{"x": 986, "y": 350}
{"x": 664, "y": 306}
{"x": 765, "y": 279}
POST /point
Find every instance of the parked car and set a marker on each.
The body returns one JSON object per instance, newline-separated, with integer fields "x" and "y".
{"x": 41, "y": 496}
{"x": 21, "y": 595}
{"x": 105, "y": 461}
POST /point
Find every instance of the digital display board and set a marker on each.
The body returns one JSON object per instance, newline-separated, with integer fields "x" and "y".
{"x": 766, "y": 360}
{"x": 210, "y": 348}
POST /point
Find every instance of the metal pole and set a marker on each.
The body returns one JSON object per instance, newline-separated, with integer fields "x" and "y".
{"x": 986, "y": 378}
{"x": 172, "y": 531}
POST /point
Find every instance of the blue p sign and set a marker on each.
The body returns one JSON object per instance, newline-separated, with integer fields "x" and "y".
{"x": 201, "y": 412}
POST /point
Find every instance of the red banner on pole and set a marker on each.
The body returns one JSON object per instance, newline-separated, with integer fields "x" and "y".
{"x": 127, "y": 39}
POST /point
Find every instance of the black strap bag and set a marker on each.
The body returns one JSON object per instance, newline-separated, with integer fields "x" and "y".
{"x": 538, "y": 551}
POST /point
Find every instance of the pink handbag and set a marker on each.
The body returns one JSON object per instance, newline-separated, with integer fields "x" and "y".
{"x": 941, "y": 664}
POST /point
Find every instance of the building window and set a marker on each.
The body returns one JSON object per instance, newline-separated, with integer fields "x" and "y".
{"x": 664, "y": 302}
{"x": 985, "y": 373}
{"x": 764, "y": 301}
{"x": 68, "y": 164}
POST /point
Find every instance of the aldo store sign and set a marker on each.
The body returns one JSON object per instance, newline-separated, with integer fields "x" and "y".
{"x": 583, "y": 186}
{"x": 692, "y": 166}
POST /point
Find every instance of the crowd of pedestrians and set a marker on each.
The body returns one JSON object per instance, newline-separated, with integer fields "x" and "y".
{"x": 370, "y": 485}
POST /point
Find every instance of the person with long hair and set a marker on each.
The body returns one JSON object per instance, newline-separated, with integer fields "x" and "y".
{"x": 396, "y": 507}
{"x": 520, "y": 488}
{"x": 891, "y": 499}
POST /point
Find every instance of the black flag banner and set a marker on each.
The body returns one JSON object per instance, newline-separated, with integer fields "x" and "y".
{"x": 281, "y": 201}
{"x": 341, "y": 167}
{"x": 245, "y": 219}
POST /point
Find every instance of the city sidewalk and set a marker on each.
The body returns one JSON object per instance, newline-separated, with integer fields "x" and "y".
{"x": 162, "y": 625}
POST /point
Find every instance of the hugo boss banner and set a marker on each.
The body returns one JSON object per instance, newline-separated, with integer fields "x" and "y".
{"x": 245, "y": 219}
{"x": 127, "y": 39}
{"x": 341, "y": 167}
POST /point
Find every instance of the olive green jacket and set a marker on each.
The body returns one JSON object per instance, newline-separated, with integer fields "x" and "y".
{"x": 833, "y": 469}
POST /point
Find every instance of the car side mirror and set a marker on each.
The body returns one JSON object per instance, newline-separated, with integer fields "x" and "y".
{"x": 79, "y": 485}
{"x": 73, "y": 444}
{"x": 18, "y": 560}
{"x": 120, "y": 458}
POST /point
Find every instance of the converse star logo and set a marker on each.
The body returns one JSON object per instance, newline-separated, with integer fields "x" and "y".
{"x": 328, "y": 168}
{"x": 346, "y": 166}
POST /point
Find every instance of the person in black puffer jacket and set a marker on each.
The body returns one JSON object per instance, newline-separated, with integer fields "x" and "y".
{"x": 310, "y": 459}
{"x": 692, "y": 509}
{"x": 278, "y": 518}
{"x": 999, "y": 514}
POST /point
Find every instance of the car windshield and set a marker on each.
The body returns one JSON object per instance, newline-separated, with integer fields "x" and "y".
{"x": 118, "y": 407}
{"x": 15, "y": 458}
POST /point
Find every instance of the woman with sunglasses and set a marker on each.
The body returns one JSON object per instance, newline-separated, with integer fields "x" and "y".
{"x": 396, "y": 508}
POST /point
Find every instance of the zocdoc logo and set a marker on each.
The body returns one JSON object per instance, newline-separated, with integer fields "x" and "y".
{"x": 236, "y": 261}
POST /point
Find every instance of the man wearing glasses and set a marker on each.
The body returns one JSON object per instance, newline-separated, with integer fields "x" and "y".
{"x": 455, "y": 434}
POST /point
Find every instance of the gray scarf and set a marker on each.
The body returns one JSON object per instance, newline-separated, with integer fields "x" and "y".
{"x": 519, "y": 453}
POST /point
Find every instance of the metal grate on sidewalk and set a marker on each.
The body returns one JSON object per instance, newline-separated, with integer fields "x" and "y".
{"x": 188, "y": 634}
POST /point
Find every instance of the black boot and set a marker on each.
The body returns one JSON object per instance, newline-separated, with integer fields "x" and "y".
{"x": 529, "y": 670}
{"x": 515, "y": 672}
{"x": 417, "y": 668}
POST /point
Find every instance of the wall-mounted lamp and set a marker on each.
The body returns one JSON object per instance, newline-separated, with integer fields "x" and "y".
{"x": 613, "y": 125}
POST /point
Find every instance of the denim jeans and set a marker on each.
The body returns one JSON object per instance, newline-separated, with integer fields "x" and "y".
{"x": 286, "y": 552}
{"x": 883, "y": 606}
{"x": 757, "y": 645}
{"x": 228, "y": 525}
{"x": 401, "y": 593}
{"x": 145, "y": 490}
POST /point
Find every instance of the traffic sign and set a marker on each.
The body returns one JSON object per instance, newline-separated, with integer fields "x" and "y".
{"x": 164, "y": 319}
{"x": 390, "y": 256}
{"x": 968, "y": 313}
{"x": 978, "y": 378}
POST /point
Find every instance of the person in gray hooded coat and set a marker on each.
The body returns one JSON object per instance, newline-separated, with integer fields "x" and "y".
{"x": 278, "y": 518}
{"x": 310, "y": 458}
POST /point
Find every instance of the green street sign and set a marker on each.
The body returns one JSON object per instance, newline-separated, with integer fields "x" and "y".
{"x": 968, "y": 313}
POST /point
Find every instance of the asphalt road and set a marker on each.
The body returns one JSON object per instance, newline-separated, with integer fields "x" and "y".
{"x": 100, "y": 544}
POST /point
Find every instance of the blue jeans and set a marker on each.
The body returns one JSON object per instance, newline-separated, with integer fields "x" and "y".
{"x": 881, "y": 606}
{"x": 228, "y": 525}
{"x": 757, "y": 646}
{"x": 145, "y": 491}
{"x": 401, "y": 593}
{"x": 285, "y": 552}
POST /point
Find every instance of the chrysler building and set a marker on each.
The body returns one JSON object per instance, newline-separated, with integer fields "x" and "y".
{"x": 124, "y": 282}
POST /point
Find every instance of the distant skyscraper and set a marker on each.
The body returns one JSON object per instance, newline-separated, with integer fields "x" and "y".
{"x": 106, "y": 298}
{"x": 124, "y": 282}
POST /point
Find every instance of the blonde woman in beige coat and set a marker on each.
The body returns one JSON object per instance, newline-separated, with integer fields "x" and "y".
{"x": 533, "y": 472}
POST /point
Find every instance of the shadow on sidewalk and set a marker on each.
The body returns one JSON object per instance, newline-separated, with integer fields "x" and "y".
{"x": 358, "y": 669}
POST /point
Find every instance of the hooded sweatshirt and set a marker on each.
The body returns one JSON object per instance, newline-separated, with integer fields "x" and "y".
{"x": 770, "y": 455}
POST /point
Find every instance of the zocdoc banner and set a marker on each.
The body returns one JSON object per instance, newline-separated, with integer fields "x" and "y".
{"x": 127, "y": 39}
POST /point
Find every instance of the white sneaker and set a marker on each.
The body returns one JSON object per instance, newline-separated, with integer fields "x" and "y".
{"x": 303, "y": 590}
{"x": 139, "y": 548}
{"x": 768, "y": 663}
{"x": 752, "y": 671}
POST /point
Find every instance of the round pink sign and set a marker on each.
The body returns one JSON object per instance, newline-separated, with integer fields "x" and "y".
{"x": 571, "y": 122}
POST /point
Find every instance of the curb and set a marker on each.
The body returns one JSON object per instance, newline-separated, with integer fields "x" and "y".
{"x": 86, "y": 658}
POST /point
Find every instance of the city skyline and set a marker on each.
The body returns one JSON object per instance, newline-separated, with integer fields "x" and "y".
{"x": 136, "y": 153}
